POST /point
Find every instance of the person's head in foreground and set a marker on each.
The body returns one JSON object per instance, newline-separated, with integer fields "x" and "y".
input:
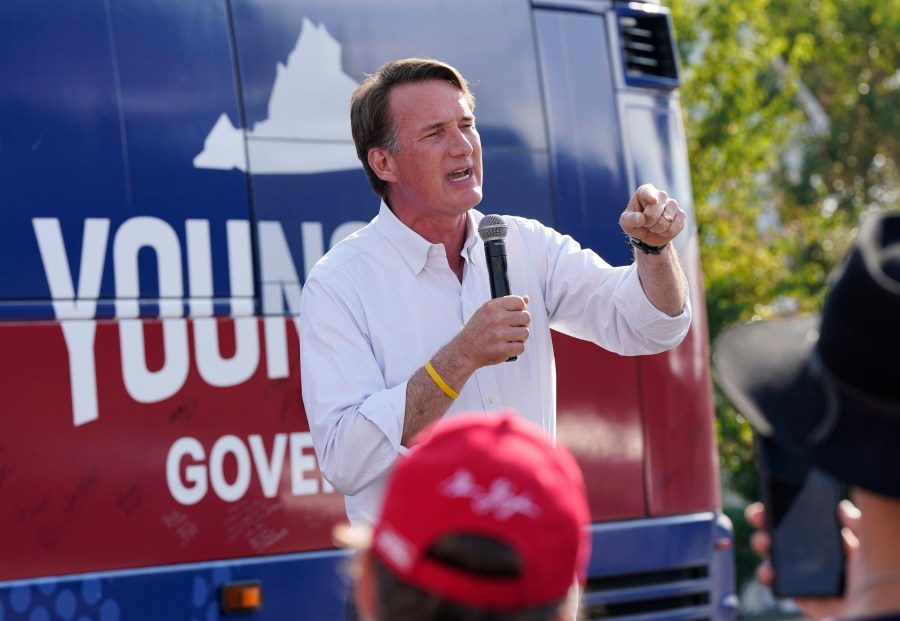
{"x": 828, "y": 387}
{"x": 484, "y": 519}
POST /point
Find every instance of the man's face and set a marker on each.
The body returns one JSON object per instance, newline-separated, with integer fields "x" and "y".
{"x": 437, "y": 170}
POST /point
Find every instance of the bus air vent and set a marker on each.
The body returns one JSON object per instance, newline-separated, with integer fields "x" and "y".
{"x": 648, "y": 48}
{"x": 677, "y": 593}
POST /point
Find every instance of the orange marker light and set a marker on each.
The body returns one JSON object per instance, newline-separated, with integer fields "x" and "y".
{"x": 241, "y": 597}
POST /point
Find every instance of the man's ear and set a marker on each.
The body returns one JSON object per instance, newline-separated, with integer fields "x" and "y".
{"x": 364, "y": 590}
{"x": 382, "y": 162}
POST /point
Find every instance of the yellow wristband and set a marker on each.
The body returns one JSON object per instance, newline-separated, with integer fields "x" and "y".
{"x": 440, "y": 381}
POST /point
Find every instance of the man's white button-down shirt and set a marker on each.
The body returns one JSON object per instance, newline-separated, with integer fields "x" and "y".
{"x": 382, "y": 302}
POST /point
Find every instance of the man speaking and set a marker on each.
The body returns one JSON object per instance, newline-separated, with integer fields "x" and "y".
{"x": 398, "y": 326}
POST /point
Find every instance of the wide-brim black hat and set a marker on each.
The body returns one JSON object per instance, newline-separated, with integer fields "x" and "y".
{"x": 828, "y": 386}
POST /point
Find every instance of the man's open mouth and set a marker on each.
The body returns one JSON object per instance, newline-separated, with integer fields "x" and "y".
{"x": 460, "y": 175}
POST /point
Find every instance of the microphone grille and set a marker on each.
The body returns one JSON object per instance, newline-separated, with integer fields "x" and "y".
{"x": 492, "y": 227}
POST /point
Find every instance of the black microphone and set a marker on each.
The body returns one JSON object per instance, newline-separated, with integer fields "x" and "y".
{"x": 492, "y": 230}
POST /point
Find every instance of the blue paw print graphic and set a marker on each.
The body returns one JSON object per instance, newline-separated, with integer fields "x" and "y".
{"x": 204, "y": 595}
{"x": 48, "y": 602}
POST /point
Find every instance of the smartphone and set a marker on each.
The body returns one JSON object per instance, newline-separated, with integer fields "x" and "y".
{"x": 801, "y": 503}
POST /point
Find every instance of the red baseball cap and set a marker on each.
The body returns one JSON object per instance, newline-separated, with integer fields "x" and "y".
{"x": 496, "y": 476}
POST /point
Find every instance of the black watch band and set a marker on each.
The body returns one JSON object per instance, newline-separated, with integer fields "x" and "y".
{"x": 646, "y": 248}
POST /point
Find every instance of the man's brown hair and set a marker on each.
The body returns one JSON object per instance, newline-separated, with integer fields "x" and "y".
{"x": 370, "y": 115}
{"x": 482, "y": 556}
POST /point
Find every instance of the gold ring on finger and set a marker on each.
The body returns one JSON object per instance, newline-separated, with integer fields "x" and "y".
{"x": 669, "y": 217}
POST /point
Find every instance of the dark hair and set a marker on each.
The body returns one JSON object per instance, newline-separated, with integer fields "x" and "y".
{"x": 484, "y": 557}
{"x": 370, "y": 118}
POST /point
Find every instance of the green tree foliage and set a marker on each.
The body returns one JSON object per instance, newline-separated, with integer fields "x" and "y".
{"x": 792, "y": 115}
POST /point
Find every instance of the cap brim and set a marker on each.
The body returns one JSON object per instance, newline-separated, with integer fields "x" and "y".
{"x": 765, "y": 370}
{"x": 762, "y": 367}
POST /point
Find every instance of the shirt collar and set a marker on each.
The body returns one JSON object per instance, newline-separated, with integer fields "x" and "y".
{"x": 471, "y": 230}
{"x": 411, "y": 246}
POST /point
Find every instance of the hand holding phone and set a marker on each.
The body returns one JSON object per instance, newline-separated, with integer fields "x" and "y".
{"x": 801, "y": 502}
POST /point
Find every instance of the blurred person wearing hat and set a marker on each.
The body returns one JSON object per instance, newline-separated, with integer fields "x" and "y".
{"x": 828, "y": 387}
{"x": 484, "y": 520}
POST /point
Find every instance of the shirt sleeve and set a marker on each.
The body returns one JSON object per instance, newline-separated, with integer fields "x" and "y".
{"x": 588, "y": 298}
{"x": 355, "y": 420}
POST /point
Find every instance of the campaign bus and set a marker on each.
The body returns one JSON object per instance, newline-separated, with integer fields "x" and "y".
{"x": 170, "y": 172}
